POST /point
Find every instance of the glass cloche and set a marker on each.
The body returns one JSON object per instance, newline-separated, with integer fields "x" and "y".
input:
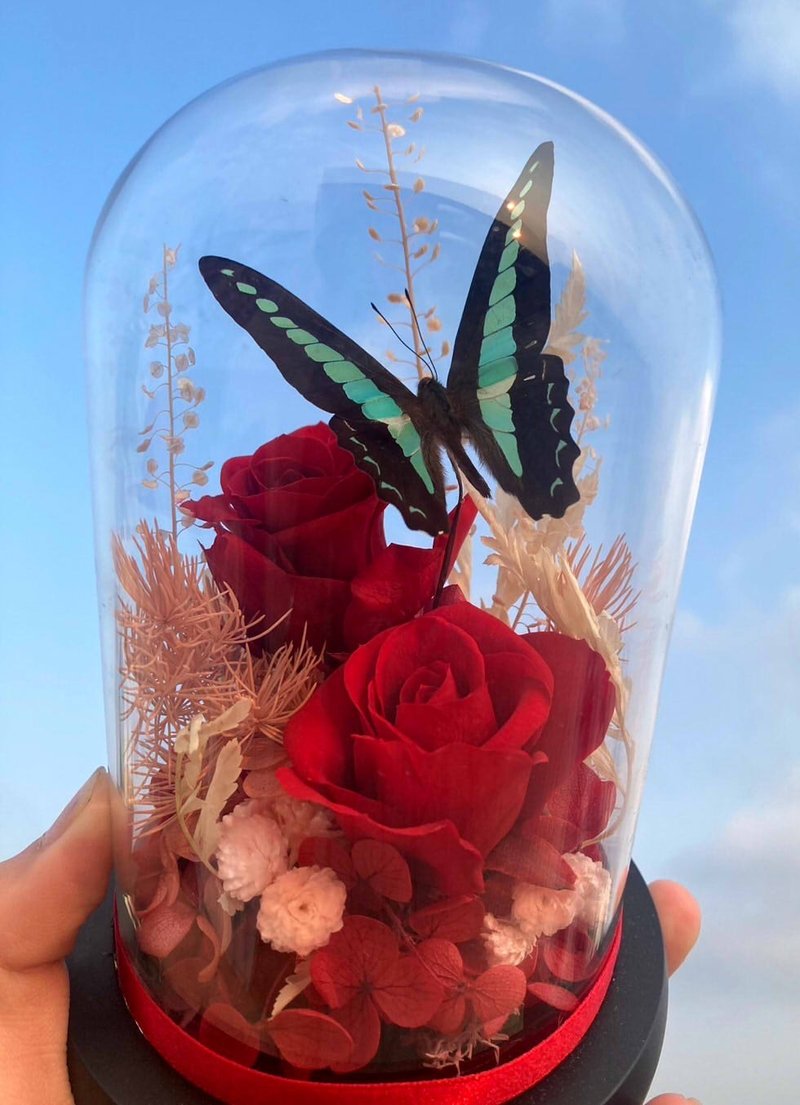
{"x": 401, "y": 375}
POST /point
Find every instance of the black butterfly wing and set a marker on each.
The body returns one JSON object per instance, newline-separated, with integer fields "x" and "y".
{"x": 510, "y": 396}
{"x": 376, "y": 417}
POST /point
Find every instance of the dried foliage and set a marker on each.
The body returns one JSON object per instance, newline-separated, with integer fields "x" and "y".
{"x": 175, "y": 396}
{"x": 418, "y": 235}
{"x": 548, "y": 574}
{"x": 191, "y": 746}
{"x": 184, "y": 656}
{"x": 565, "y": 336}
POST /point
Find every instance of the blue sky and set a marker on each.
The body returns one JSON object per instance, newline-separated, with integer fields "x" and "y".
{"x": 713, "y": 89}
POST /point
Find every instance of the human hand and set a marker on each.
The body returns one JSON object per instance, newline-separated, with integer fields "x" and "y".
{"x": 679, "y": 915}
{"x": 48, "y": 891}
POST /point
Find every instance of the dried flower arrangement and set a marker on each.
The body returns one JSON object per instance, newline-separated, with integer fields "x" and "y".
{"x": 311, "y": 715}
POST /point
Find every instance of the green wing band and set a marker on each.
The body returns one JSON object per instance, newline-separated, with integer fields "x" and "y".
{"x": 375, "y": 416}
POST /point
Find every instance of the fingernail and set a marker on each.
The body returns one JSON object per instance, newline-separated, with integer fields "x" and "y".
{"x": 693, "y": 1101}
{"x": 73, "y": 808}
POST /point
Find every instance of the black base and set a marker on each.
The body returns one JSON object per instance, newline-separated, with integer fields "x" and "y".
{"x": 112, "y": 1064}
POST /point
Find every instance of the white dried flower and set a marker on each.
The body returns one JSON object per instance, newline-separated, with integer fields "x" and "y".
{"x": 540, "y": 911}
{"x": 505, "y": 943}
{"x": 251, "y": 853}
{"x": 302, "y": 909}
{"x": 229, "y": 905}
{"x": 593, "y": 888}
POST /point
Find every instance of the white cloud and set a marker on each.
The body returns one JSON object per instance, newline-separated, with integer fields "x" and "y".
{"x": 751, "y": 884}
{"x": 766, "y": 37}
{"x": 736, "y": 1004}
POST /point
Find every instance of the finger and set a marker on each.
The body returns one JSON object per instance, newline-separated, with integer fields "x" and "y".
{"x": 46, "y": 892}
{"x": 673, "y": 1099}
{"x": 680, "y": 918}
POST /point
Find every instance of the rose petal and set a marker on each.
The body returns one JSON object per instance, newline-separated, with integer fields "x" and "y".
{"x": 432, "y": 725}
{"x": 520, "y": 694}
{"x": 401, "y": 581}
{"x": 418, "y": 643}
{"x": 582, "y": 706}
{"x": 316, "y": 738}
{"x": 264, "y": 591}
{"x": 422, "y": 786}
{"x": 336, "y": 545}
{"x": 437, "y": 851}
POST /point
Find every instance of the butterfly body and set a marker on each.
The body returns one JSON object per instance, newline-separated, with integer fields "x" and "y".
{"x": 504, "y": 395}
{"x": 446, "y": 431}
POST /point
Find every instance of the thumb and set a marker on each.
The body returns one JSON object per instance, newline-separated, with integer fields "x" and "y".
{"x": 46, "y": 893}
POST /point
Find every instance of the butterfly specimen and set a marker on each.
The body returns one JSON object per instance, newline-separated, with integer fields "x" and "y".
{"x": 504, "y": 395}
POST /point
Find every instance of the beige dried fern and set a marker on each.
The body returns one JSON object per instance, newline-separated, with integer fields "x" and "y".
{"x": 185, "y": 655}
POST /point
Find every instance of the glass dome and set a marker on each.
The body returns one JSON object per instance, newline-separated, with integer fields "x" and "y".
{"x": 401, "y": 374}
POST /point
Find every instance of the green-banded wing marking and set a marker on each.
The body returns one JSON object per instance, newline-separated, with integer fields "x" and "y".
{"x": 510, "y": 397}
{"x": 330, "y": 370}
{"x": 374, "y": 448}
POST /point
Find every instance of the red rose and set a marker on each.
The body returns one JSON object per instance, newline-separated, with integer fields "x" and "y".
{"x": 566, "y": 804}
{"x": 299, "y": 527}
{"x": 431, "y": 737}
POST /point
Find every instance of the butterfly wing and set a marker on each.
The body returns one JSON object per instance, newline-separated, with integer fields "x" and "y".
{"x": 376, "y": 417}
{"x": 510, "y": 396}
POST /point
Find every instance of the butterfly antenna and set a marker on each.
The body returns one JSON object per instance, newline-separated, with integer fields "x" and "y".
{"x": 451, "y": 540}
{"x": 431, "y": 365}
{"x": 381, "y": 315}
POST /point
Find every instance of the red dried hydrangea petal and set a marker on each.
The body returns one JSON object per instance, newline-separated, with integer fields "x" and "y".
{"x": 384, "y": 869}
{"x": 497, "y": 993}
{"x": 163, "y": 930}
{"x": 356, "y": 958}
{"x": 407, "y": 993}
{"x": 308, "y": 1039}
{"x": 557, "y": 996}
{"x": 532, "y": 861}
{"x": 225, "y": 1030}
{"x": 456, "y": 919}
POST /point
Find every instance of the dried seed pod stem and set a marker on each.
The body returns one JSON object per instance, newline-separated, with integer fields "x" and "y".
{"x": 183, "y": 397}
